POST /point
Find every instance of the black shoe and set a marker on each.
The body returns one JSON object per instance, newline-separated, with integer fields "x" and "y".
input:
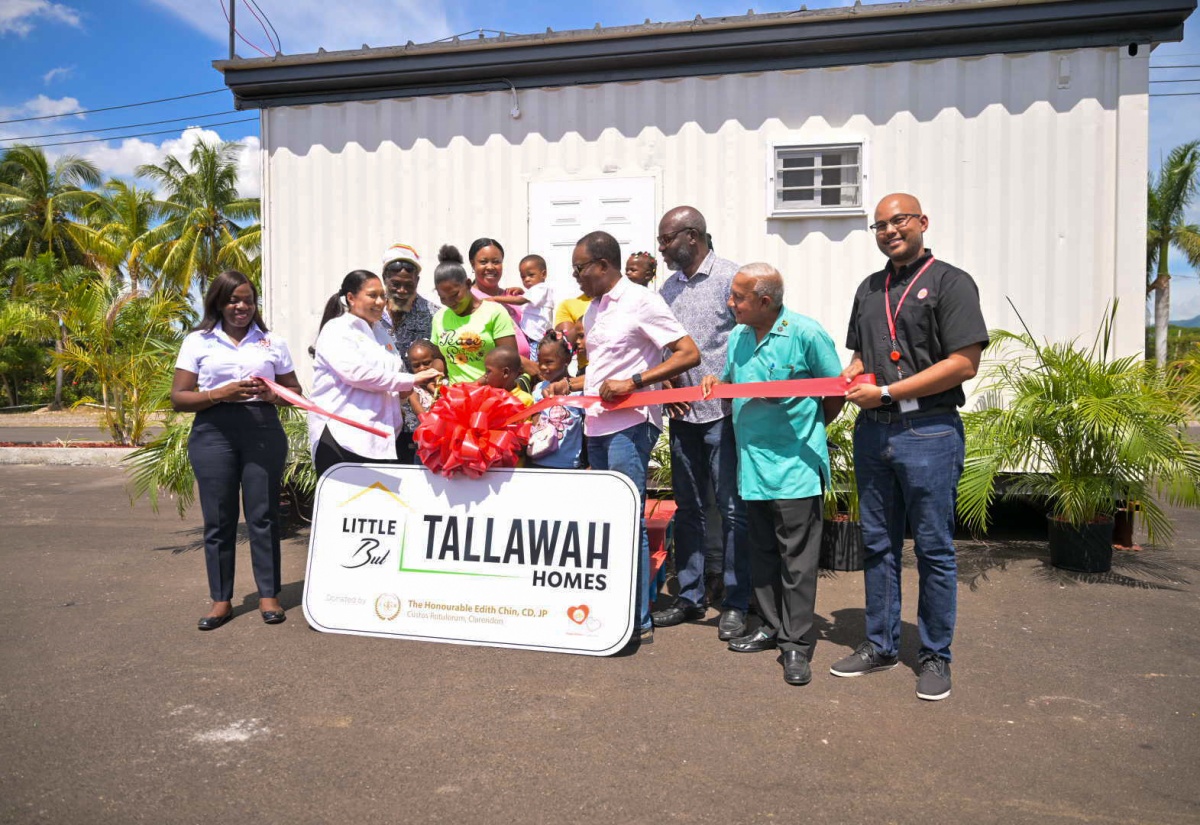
{"x": 731, "y": 625}
{"x": 796, "y": 670}
{"x": 934, "y": 682}
{"x": 213, "y": 622}
{"x": 640, "y": 637}
{"x": 756, "y": 642}
{"x": 678, "y": 613}
{"x": 274, "y": 617}
{"x": 862, "y": 661}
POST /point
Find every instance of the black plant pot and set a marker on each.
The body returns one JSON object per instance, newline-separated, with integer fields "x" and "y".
{"x": 1086, "y": 549}
{"x": 841, "y": 545}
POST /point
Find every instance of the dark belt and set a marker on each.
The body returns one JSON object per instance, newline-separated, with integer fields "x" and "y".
{"x": 894, "y": 416}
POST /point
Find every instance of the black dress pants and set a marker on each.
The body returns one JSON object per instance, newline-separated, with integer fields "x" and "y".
{"x": 785, "y": 546}
{"x": 330, "y": 452}
{"x": 242, "y": 447}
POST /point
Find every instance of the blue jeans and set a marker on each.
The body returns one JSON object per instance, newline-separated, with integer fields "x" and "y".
{"x": 908, "y": 471}
{"x": 628, "y": 452}
{"x": 703, "y": 455}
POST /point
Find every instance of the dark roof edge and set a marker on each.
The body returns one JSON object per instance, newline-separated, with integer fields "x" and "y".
{"x": 790, "y": 42}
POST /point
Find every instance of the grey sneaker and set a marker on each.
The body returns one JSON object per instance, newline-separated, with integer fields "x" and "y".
{"x": 865, "y": 659}
{"x": 934, "y": 682}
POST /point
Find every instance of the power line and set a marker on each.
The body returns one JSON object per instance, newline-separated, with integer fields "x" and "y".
{"x": 238, "y": 33}
{"x": 1175, "y": 94}
{"x": 1180, "y": 66}
{"x": 278, "y": 40}
{"x": 117, "y": 128}
{"x": 256, "y": 10}
{"x": 1185, "y": 80}
{"x": 113, "y": 108}
{"x": 144, "y": 134}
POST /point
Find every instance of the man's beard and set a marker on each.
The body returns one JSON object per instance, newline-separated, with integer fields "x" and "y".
{"x": 398, "y": 304}
{"x": 680, "y": 260}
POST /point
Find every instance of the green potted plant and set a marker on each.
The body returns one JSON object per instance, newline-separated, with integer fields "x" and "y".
{"x": 660, "y": 508}
{"x": 841, "y": 535}
{"x": 1086, "y": 432}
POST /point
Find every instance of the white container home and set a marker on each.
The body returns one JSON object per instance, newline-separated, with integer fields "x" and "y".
{"x": 1021, "y": 124}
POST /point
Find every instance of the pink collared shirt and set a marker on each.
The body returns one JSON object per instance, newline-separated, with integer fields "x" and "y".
{"x": 627, "y": 329}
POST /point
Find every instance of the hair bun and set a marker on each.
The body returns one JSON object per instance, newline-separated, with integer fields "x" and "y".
{"x": 449, "y": 254}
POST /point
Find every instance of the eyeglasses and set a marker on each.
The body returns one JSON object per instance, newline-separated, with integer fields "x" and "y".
{"x": 396, "y": 267}
{"x": 578, "y": 268}
{"x": 663, "y": 240}
{"x": 895, "y": 222}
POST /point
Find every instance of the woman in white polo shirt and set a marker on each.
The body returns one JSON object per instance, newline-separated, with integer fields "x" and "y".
{"x": 237, "y": 442}
{"x": 358, "y": 374}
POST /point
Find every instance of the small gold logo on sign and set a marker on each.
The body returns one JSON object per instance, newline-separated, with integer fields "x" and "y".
{"x": 387, "y": 606}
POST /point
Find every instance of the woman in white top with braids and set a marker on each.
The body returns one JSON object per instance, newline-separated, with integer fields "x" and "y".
{"x": 357, "y": 374}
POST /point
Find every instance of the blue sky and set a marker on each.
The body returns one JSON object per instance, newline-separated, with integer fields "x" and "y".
{"x": 62, "y": 55}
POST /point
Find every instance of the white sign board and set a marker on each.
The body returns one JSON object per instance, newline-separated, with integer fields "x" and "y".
{"x": 531, "y": 559}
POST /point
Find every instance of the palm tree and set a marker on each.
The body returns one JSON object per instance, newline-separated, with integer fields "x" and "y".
{"x": 124, "y": 224}
{"x": 127, "y": 343}
{"x": 245, "y": 254}
{"x": 203, "y": 211}
{"x": 47, "y": 292}
{"x": 1171, "y": 193}
{"x": 1083, "y": 430}
{"x": 40, "y": 202}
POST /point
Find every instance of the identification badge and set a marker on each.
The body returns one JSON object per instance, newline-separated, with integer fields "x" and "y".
{"x": 909, "y": 405}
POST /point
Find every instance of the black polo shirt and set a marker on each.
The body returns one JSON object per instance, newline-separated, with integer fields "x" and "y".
{"x": 940, "y": 315}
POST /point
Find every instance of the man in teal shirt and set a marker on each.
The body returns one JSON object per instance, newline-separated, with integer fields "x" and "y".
{"x": 783, "y": 461}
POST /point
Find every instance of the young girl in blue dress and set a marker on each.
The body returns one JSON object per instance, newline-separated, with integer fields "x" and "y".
{"x": 556, "y": 441}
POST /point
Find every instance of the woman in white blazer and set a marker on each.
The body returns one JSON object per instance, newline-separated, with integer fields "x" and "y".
{"x": 357, "y": 374}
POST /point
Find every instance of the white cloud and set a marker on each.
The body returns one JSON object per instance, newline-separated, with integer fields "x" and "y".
{"x": 122, "y": 158}
{"x": 57, "y": 73}
{"x": 20, "y": 16}
{"x": 42, "y": 106}
{"x": 39, "y": 106}
{"x": 306, "y": 25}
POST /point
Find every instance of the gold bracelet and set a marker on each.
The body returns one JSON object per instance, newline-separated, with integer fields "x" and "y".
{"x": 210, "y": 399}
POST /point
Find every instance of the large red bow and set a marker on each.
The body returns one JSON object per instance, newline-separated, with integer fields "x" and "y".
{"x": 466, "y": 431}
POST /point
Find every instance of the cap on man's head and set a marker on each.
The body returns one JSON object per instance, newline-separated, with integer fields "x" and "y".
{"x": 401, "y": 252}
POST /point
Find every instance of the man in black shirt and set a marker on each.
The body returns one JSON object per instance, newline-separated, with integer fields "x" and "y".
{"x": 918, "y": 327}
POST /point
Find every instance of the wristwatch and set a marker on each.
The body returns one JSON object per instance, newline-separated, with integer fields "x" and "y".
{"x": 885, "y": 397}
{"x": 637, "y": 380}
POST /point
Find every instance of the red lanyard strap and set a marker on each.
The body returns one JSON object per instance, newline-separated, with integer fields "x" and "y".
{"x": 887, "y": 301}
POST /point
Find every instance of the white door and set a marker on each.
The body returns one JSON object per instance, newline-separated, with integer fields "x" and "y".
{"x": 562, "y": 212}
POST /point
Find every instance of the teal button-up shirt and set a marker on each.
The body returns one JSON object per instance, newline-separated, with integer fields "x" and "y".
{"x": 781, "y": 442}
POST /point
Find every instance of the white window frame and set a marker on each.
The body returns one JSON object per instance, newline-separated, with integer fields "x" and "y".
{"x": 809, "y": 143}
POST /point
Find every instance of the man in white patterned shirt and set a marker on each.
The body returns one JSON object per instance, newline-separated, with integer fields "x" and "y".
{"x": 703, "y": 452}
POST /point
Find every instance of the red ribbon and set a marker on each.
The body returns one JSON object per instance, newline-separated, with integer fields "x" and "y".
{"x": 297, "y": 400}
{"x": 795, "y": 388}
{"x": 472, "y": 428}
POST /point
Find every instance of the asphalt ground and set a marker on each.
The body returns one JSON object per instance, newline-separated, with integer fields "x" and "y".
{"x": 52, "y": 434}
{"x": 1076, "y": 698}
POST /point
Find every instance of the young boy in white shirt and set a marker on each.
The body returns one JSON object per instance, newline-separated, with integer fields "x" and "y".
{"x": 538, "y": 313}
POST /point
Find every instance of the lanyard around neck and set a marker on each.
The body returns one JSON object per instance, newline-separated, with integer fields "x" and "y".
{"x": 887, "y": 305}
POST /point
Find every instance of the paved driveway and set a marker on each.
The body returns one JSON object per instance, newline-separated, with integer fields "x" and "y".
{"x": 1075, "y": 699}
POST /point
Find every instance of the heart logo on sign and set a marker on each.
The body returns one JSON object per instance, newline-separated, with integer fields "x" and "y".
{"x": 593, "y": 624}
{"x": 578, "y": 614}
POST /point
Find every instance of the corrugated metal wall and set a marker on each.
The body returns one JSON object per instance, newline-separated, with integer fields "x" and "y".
{"x": 1031, "y": 168}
